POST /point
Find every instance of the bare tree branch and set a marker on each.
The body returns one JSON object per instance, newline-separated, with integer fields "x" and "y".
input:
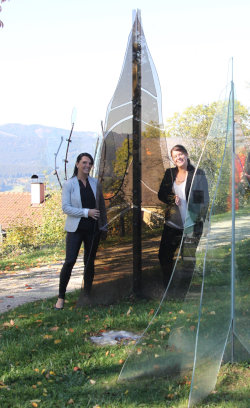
{"x": 1, "y": 23}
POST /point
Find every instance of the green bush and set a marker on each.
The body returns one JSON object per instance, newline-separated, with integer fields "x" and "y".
{"x": 51, "y": 230}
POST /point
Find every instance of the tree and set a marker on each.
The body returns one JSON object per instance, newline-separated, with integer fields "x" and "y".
{"x": 194, "y": 123}
{"x": 1, "y": 23}
{"x": 193, "y": 126}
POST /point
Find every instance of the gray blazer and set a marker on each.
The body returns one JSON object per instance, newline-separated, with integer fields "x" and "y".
{"x": 72, "y": 204}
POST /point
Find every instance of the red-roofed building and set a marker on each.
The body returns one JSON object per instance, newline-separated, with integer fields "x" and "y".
{"x": 24, "y": 207}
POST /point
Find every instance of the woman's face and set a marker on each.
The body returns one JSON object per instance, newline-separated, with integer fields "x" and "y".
{"x": 84, "y": 165}
{"x": 179, "y": 159}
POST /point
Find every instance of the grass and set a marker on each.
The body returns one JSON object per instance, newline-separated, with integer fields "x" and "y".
{"x": 25, "y": 259}
{"x": 22, "y": 260}
{"x": 227, "y": 215}
{"x": 48, "y": 360}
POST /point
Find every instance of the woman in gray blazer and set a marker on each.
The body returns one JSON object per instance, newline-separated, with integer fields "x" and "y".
{"x": 83, "y": 202}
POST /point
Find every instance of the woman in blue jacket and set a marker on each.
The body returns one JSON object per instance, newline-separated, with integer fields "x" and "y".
{"x": 83, "y": 202}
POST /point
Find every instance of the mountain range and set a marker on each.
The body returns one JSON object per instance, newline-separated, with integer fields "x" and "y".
{"x": 30, "y": 149}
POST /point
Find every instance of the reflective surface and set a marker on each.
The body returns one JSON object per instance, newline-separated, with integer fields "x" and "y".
{"x": 208, "y": 274}
{"x": 211, "y": 325}
{"x": 114, "y": 168}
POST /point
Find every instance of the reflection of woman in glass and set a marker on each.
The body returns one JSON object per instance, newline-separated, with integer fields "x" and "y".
{"x": 185, "y": 211}
{"x": 83, "y": 202}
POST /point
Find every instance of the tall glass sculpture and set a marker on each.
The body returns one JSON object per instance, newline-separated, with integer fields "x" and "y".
{"x": 130, "y": 160}
{"x": 212, "y": 325}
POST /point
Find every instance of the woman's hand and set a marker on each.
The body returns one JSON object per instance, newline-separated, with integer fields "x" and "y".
{"x": 177, "y": 200}
{"x": 94, "y": 213}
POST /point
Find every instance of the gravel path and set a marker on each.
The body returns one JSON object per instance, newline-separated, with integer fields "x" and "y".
{"x": 19, "y": 287}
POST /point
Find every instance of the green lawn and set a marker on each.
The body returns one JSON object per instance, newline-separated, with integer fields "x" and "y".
{"x": 48, "y": 360}
{"x": 28, "y": 259}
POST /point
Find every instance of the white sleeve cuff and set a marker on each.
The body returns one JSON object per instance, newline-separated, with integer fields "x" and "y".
{"x": 85, "y": 212}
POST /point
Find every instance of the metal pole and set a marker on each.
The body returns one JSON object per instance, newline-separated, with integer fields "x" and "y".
{"x": 136, "y": 93}
{"x": 233, "y": 220}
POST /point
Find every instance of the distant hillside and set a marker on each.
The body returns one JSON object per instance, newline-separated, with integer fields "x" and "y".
{"x": 30, "y": 149}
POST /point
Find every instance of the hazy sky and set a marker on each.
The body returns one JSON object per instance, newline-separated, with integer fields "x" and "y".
{"x": 60, "y": 54}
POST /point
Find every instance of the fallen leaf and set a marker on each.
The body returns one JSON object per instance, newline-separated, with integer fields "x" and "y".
{"x": 70, "y": 401}
{"x": 121, "y": 361}
{"x": 11, "y": 323}
{"x": 47, "y": 336}
{"x": 35, "y": 403}
{"x": 76, "y": 368}
{"x": 57, "y": 341}
{"x": 2, "y": 385}
{"x": 92, "y": 382}
{"x": 129, "y": 311}
{"x": 55, "y": 328}
{"x": 151, "y": 312}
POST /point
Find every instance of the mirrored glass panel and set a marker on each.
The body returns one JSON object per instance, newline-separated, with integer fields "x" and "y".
{"x": 114, "y": 168}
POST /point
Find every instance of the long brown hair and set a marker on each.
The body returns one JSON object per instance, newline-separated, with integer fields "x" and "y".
{"x": 182, "y": 149}
{"x": 75, "y": 172}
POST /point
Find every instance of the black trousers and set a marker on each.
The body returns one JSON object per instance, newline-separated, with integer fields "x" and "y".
{"x": 170, "y": 242}
{"x": 74, "y": 240}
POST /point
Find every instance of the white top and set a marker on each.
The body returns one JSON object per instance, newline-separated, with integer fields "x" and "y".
{"x": 179, "y": 190}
